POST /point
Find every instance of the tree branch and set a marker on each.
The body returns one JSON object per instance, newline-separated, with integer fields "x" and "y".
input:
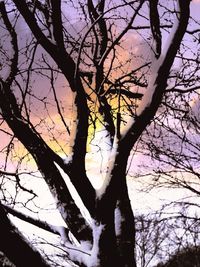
{"x": 155, "y": 26}
{"x": 126, "y": 93}
{"x": 120, "y": 36}
{"x": 183, "y": 90}
{"x": 11, "y": 239}
{"x": 41, "y": 224}
{"x": 44, "y": 158}
{"x": 16, "y": 175}
{"x": 111, "y": 187}
{"x": 159, "y": 82}
{"x": 13, "y": 35}
{"x": 79, "y": 139}
{"x": 57, "y": 24}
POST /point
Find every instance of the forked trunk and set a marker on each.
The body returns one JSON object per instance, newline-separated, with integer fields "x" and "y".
{"x": 114, "y": 240}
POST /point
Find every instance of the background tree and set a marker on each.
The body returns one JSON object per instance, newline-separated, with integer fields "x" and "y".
{"x": 187, "y": 257}
{"x": 56, "y": 65}
{"x": 164, "y": 236}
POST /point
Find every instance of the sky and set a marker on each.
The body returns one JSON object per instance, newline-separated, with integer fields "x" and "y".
{"x": 42, "y": 90}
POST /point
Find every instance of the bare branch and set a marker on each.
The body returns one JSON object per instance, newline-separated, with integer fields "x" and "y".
{"x": 13, "y": 35}
{"x": 160, "y": 81}
{"x": 57, "y": 24}
{"x": 155, "y": 26}
{"x": 79, "y": 138}
{"x": 126, "y": 93}
{"x": 44, "y": 158}
{"x": 121, "y": 35}
{"x": 16, "y": 175}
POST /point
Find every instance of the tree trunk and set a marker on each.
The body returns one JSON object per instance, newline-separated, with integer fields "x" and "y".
{"x": 115, "y": 250}
{"x": 126, "y": 234}
{"x": 117, "y": 239}
{"x": 107, "y": 247}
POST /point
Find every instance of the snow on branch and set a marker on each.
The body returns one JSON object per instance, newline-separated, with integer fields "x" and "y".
{"x": 84, "y": 254}
{"x": 159, "y": 74}
{"x": 75, "y": 195}
{"x": 11, "y": 239}
{"x": 112, "y": 160}
{"x": 58, "y": 230}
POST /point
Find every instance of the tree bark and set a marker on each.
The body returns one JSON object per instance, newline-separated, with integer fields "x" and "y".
{"x": 126, "y": 235}
{"x": 117, "y": 239}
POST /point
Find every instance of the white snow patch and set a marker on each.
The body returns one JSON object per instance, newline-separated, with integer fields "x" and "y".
{"x": 147, "y": 98}
{"x": 83, "y": 253}
{"x": 97, "y": 231}
{"x": 61, "y": 231}
{"x": 118, "y": 220}
{"x": 172, "y": 33}
{"x": 5, "y": 73}
{"x": 100, "y": 191}
{"x": 68, "y": 159}
{"x": 73, "y": 130}
{"x": 97, "y": 158}
{"x": 80, "y": 254}
{"x": 75, "y": 195}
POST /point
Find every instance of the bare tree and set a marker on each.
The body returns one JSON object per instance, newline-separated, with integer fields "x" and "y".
{"x": 117, "y": 95}
{"x": 187, "y": 257}
{"x": 165, "y": 235}
{"x": 171, "y": 142}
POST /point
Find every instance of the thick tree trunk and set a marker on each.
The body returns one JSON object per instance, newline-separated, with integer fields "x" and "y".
{"x": 108, "y": 253}
{"x": 115, "y": 249}
{"x": 126, "y": 234}
{"x": 117, "y": 239}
